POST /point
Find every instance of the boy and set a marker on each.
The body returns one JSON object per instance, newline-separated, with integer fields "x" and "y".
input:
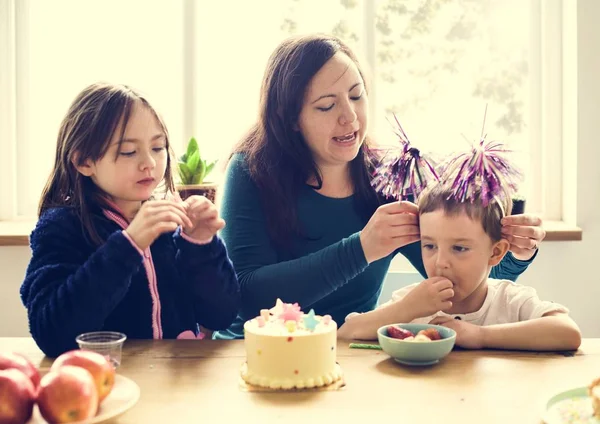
{"x": 461, "y": 242}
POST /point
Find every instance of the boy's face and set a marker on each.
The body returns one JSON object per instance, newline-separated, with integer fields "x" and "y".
{"x": 456, "y": 247}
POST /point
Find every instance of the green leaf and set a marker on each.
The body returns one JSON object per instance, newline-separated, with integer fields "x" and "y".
{"x": 193, "y": 162}
{"x": 200, "y": 172}
{"x": 210, "y": 167}
{"x": 184, "y": 173}
{"x": 192, "y": 147}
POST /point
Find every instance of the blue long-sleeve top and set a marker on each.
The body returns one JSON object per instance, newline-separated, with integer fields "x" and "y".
{"x": 72, "y": 286}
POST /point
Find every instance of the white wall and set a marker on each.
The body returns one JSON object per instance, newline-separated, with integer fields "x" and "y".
{"x": 564, "y": 272}
{"x": 13, "y": 317}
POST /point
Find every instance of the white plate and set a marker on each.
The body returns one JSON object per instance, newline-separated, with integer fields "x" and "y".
{"x": 124, "y": 395}
{"x": 570, "y": 406}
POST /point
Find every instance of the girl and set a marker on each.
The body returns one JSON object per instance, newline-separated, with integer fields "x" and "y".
{"x": 105, "y": 254}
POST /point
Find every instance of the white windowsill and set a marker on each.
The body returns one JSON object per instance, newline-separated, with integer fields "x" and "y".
{"x": 16, "y": 232}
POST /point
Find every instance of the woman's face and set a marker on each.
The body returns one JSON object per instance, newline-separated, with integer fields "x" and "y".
{"x": 333, "y": 119}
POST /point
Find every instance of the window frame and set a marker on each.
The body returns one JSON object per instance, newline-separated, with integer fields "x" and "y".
{"x": 552, "y": 157}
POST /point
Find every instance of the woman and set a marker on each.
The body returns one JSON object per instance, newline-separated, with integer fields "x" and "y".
{"x": 303, "y": 222}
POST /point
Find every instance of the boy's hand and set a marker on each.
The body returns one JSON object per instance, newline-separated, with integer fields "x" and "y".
{"x": 204, "y": 217}
{"x": 468, "y": 336}
{"x": 430, "y": 296}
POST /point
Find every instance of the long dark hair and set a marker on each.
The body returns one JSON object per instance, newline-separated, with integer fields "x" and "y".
{"x": 85, "y": 134}
{"x": 279, "y": 160}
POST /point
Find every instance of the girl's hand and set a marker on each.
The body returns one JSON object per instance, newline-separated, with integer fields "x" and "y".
{"x": 204, "y": 217}
{"x": 154, "y": 218}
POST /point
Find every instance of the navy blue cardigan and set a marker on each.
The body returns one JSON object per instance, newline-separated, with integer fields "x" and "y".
{"x": 72, "y": 286}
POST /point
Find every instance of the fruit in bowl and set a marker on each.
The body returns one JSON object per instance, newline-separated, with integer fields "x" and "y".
{"x": 99, "y": 367}
{"x": 17, "y": 361}
{"x": 68, "y": 394}
{"x": 73, "y": 390}
{"x": 431, "y": 334}
{"x": 417, "y": 344}
{"x": 400, "y": 333}
{"x": 17, "y": 397}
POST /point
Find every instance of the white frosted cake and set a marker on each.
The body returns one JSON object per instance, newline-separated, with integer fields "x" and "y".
{"x": 287, "y": 349}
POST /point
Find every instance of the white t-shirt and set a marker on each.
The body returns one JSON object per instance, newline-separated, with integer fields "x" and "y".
{"x": 506, "y": 302}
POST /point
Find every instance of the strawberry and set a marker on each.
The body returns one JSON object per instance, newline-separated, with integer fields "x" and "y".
{"x": 398, "y": 333}
{"x": 432, "y": 333}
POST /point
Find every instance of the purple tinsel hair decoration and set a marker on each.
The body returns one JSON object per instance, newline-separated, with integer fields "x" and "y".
{"x": 402, "y": 172}
{"x": 483, "y": 173}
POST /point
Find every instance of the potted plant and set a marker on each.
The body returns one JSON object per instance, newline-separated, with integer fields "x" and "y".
{"x": 192, "y": 170}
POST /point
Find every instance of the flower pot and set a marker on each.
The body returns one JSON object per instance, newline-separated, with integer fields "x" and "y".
{"x": 208, "y": 190}
{"x": 518, "y": 207}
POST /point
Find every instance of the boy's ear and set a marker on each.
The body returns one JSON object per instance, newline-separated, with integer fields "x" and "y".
{"x": 86, "y": 169}
{"x": 499, "y": 249}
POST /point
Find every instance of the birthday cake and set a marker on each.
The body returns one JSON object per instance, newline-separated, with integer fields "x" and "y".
{"x": 288, "y": 349}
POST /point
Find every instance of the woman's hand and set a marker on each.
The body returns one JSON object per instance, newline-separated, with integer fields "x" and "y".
{"x": 524, "y": 233}
{"x": 392, "y": 226}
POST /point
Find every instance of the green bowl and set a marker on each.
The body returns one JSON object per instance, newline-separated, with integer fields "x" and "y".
{"x": 417, "y": 353}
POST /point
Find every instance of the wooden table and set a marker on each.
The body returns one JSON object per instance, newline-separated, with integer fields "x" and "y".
{"x": 190, "y": 381}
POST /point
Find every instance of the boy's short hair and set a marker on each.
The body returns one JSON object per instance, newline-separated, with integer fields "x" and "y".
{"x": 440, "y": 197}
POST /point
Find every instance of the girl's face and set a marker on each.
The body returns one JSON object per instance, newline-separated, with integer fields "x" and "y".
{"x": 333, "y": 119}
{"x": 130, "y": 175}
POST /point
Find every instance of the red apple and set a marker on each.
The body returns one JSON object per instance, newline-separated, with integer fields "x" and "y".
{"x": 17, "y": 396}
{"x": 398, "y": 332}
{"x": 15, "y": 360}
{"x": 101, "y": 369}
{"x": 67, "y": 394}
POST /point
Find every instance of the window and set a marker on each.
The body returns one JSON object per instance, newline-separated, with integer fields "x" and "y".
{"x": 435, "y": 63}
{"x": 62, "y": 46}
{"x": 438, "y": 64}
